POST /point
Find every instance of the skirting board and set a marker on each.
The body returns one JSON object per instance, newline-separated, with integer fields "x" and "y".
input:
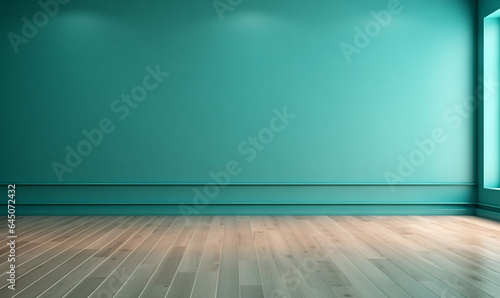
{"x": 245, "y": 200}
{"x": 488, "y": 211}
{"x": 254, "y": 209}
{"x": 247, "y": 195}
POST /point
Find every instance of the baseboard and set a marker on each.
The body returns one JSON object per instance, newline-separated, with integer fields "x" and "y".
{"x": 253, "y": 209}
{"x": 245, "y": 199}
{"x": 245, "y": 194}
{"x": 488, "y": 211}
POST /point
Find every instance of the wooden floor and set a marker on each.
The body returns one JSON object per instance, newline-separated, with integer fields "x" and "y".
{"x": 255, "y": 256}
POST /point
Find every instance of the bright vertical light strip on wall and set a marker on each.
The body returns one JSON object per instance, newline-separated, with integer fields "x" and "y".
{"x": 491, "y": 101}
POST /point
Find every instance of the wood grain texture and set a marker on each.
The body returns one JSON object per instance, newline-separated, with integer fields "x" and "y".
{"x": 256, "y": 256}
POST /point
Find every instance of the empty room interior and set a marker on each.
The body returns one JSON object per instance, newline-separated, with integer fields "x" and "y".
{"x": 250, "y": 148}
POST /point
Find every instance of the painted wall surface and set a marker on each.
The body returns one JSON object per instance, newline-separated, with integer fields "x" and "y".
{"x": 489, "y": 110}
{"x": 287, "y": 92}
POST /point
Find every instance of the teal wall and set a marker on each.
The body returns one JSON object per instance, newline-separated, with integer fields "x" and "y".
{"x": 163, "y": 96}
{"x": 489, "y": 109}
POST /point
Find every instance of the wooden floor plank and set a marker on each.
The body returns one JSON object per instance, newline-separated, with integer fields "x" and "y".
{"x": 416, "y": 255}
{"x": 205, "y": 284}
{"x": 44, "y": 229}
{"x": 344, "y": 259}
{"x": 321, "y": 273}
{"x": 247, "y": 257}
{"x": 29, "y": 271}
{"x": 49, "y": 272}
{"x": 162, "y": 278}
{"x": 256, "y": 256}
{"x": 471, "y": 283}
{"x": 228, "y": 285}
{"x": 137, "y": 234}
{"x": 271, "y": 277}
{"x": 183, "y": 282}
{"x": 32, "y": 248}
{"x": 252, "y": 292}
{"x": 293, "y": 267}
{"x": 69, "y": 281}
{"x": 121, "y": 274}
{"x": 25, "y": 224}
{"x": 141, "y": 275}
